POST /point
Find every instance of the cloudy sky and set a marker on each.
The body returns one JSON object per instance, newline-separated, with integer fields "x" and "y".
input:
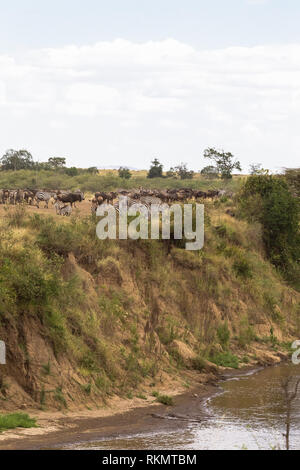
{"x": 118, "y": 82}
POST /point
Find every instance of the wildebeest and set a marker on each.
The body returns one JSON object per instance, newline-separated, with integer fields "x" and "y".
{"x": 29, "y": 195}
{"x": 70, "y": 198}
{"x": 2, "y": 196}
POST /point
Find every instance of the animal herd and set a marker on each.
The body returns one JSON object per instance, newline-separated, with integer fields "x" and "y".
{"x": 63, "y": 201}
{"x": 33, "y": 197}
{"x": 148, "y": 196}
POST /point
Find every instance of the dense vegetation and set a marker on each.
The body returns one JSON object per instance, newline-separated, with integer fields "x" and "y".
{"x": 104, "y": 181}
{"x": 269, "y": 200}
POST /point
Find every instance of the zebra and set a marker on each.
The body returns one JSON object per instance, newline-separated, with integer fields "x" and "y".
{"x": 63, "y": 210}
{"x": 145, "y": 201}
{"x": 12, "y": 197}
{"x": 43, "y": 196}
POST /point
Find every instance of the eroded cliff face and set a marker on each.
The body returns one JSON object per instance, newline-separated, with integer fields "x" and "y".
{"x": 84, "y": 319}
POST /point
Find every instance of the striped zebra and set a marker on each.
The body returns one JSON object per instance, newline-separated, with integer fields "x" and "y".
{"x": 62, "y": 209}
{"x": 43, "y": 196}
{"x": 146, "y": 201}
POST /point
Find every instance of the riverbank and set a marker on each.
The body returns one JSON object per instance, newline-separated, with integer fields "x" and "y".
{"x": 121, "y": 417}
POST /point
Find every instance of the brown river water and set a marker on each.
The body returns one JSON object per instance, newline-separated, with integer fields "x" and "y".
{"x": 247, "y": 412}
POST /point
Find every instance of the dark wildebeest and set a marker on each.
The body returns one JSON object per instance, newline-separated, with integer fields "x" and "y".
{"x": 29, "y": 195}
{"x": 70, "y": 198}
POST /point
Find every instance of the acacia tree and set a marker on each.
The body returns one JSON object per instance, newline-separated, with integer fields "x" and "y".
{"x": 156, "y": 169}
{"x": 224, "y": 161}
{"x": 16, "y": 160}
{"x": 57, "y": 162}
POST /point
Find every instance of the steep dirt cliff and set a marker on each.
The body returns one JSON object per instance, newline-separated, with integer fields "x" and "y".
{"x": 84, "y": 319}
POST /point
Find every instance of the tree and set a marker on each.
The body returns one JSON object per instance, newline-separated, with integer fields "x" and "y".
{"x": 156, "y": 169}
{"x": 73, "y": 171}
{"x": 292, "y": 176}
{"x": 93, "y": 170}
{"x": 57, "y": 162}
{"x": 210, "y": 172}
{"x": 183, "y": 173}
{"x": 171, "y": 173}
{"x": 224, "y": 162}
{"x": 124, "y": 173}
{"x": 16, "y": 160}
{"x": 42, "y": 166}
{"x": 257, "y": 169}
{"x": 267, "y": 199}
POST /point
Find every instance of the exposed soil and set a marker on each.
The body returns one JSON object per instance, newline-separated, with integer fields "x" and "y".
{"x": 83, "y": 208}
{"x": 57, "y": 431}
{"x": 120, "y": 418}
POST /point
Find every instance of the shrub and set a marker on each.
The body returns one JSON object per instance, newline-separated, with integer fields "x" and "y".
{"x": 16, "y": 217}
{"x": 61, "y": 239}
{"x": 58, "y": 396}
{"x": 223, "y": 334}
{"x": 87, "y": 388}
{"x": 124, "y": 173}
{"x": 141, "y": 396}
{"x": 267, "y": 199}
{"x": 242, "y": 268}
{"x": 226, "y": 359}
{"x": 246, "y": 334}
{"x": 165, "y": 400}
{"x": 199, "y": 363}
{"x": 16, "y": 420}
{"x": 110, "y": 270}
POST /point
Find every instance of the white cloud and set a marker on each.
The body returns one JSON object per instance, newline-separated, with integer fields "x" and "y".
{"x": 128, "y": 101}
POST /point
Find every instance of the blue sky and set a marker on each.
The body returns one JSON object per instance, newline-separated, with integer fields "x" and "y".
{"x": 117, "y": 82}
{"x": 203, "y": 23}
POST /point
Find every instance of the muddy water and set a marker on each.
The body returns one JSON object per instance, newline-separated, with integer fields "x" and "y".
{"x": 246, "y": 413}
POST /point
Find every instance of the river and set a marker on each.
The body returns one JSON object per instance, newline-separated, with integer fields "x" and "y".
{"x": 247, "y": 412}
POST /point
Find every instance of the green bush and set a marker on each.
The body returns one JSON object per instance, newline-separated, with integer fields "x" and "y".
{"x": 242, "y": 268}
{"x": 268, "y": 200}
{"x": 223, "y": 335}
{"x": 246, "y": 334}
{"x": 16, "y": 420}
{"x": 165, "y": 400}
{"x": 226, "y": 359}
